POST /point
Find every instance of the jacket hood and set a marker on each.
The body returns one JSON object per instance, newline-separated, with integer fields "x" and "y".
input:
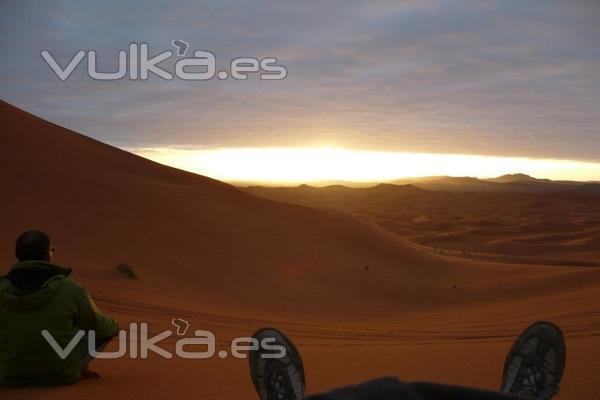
{"x": 40, "y": 265}
{"x": 30, "y": 284}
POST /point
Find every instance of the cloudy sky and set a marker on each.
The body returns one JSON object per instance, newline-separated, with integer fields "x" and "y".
{"x": 503, "y": 78}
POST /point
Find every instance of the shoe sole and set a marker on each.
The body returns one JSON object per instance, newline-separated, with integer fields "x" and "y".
{"x": 549, "y": 336}
{"x": 281, "y": 340}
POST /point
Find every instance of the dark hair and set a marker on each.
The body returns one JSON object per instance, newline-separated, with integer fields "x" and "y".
{"x": 32, "y": 245}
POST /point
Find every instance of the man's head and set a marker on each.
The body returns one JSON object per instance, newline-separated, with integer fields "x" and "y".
{"x": 33, "y": 245}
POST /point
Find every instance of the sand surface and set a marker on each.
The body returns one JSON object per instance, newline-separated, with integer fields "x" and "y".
{"x": 363, "y": 293}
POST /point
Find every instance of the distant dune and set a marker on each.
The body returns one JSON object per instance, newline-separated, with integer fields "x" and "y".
{"x": 557, "y": 222}
{"x": 335, "y": 271}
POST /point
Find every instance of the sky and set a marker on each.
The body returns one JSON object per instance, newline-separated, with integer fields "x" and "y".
{"x": 517, "y": 79}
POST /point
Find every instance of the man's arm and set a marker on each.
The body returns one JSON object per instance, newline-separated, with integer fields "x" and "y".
{"x": 89, "y": 317}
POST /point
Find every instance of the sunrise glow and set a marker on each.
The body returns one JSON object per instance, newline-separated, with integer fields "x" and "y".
{"x": 306, "y": 165}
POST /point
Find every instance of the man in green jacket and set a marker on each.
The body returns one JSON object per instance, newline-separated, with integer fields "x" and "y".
{"x": 38, "y": 296}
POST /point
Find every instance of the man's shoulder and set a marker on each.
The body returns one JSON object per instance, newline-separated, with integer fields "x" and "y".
{"x": 70, "y": 286}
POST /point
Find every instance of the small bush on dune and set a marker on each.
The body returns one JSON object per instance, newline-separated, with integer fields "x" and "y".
{"x": 127, "y": 270}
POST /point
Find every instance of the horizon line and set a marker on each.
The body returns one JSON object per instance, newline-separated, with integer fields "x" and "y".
{"x": 304, "y": 165}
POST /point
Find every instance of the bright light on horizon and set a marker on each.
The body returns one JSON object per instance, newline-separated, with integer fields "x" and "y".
{"x": 288, "y": 165}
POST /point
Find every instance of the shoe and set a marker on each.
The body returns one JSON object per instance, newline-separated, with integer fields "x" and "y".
{"x": 276, "y": 367}
{"x": 535, "y": 364}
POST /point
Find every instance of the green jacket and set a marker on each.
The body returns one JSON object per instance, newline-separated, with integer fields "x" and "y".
{"x": 37, "y": 296}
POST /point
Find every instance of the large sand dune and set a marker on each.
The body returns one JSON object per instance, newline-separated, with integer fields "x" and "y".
{"x": 359, "y": 299}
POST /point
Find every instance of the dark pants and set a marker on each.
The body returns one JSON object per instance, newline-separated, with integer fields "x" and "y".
{"x": 393, "y": 389}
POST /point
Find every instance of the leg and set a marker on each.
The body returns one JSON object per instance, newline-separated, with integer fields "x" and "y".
{"x": 393, "y": 389}
{"x": 533, "y": 370}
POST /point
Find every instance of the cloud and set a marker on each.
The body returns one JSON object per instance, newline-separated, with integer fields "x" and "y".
{"x": 506, "y": 77}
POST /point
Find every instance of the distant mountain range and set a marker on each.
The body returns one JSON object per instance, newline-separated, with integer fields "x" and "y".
{"x": 504, "y": 183}
{"x": 521, "y": 183}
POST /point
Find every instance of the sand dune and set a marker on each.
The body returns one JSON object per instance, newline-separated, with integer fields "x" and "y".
{"x": 360, "y": 299}
{"x": 562, "y": 224}
{"x": 203, "y": 237}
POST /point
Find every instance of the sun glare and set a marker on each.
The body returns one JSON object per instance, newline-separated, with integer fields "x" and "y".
{"x": 306, "y": 165}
